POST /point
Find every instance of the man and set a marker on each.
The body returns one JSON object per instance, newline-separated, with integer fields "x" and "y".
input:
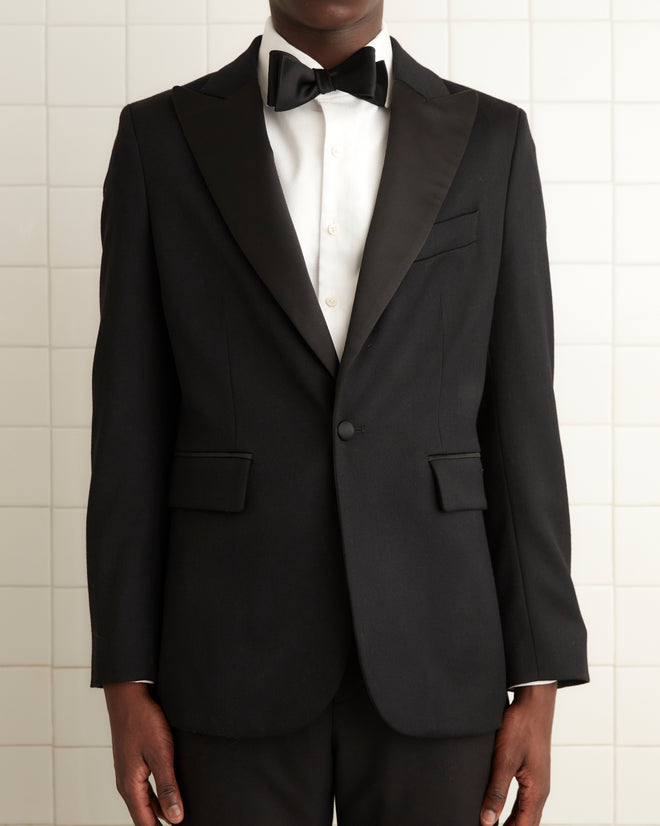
{"x": 327, "y": 517}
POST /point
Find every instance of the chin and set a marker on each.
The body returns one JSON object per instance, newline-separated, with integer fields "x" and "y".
{"x": 327, "y": 14}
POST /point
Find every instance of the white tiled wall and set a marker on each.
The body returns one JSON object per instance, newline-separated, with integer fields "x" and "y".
{"x": 588, "y": 74}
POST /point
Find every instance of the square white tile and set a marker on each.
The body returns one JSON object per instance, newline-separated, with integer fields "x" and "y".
{"x": 80, "y": 714}
{"x": 74, "y": 307}
{"x": 637, "y": 539}
{"x": 636, "y": 61}
{"x": 225, "y": 42}
{"x": 579, "y": 219}
{"x": 86, "y": 65}
{"x": 25, "y": 696}
{"x": 637, "y": 772}
{"x": 583, "y": 71}
{"x": 637, "y": 296}
{"x": 79, "y": 144}
{"x": 25, "y": 540}
{"x": 69, "y": 563}
{"x": 71, "y": 466}
{"x": 485, "y": 9}
{"x": 26, "y": 784}
{"x": 492, "y": 57}
{"x": 22, "y": 145}
{"x": 79, "y": 12}
{"x": 636, "y": 462}
{"x": 71, "y": 379}
{"x": 588, "y": 459}
{"x": 71, "y": 627}
{"x": 573, "y": 141}
{"x": 24, "y": 386}
{"x": 27, "y": 11}
{"x": 636, "y": 10}
{"x": 428, "y": 44}
{"x": 22, "y": 64}
{"x": 23, "y": 306}
{"x": 75, "y": 234}
{"x": 581, "y": 785}
{"x": 421, "y": 10}
{"x": 591, "y": 541}
{"x": 161, "y": 56}
{"x": 637, "y": 239}
{"x": 636, "y": 138}
{"x": 568, "y": 9}
{"x": 637, "y": 621}
{"x": 85, "y": 792}
{"x": 584, "y": 714}
{"x": 637, "y": 719}
{"x": 25, "y": 460}
{"x": 636, "y": 383}
{"x": 256, "y": 11}
{"x": 582, "y": 301}
{"x": 27, "y": 612}
{"x": 166, "y": 11}
{"x": 583, "y": 383}
{"x": 597, "y": 607}
{"x": 23, "y": 220}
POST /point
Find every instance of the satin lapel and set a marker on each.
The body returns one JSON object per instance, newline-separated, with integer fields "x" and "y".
{"x": 426, "y": 141}
{"x": 228, "y": 139}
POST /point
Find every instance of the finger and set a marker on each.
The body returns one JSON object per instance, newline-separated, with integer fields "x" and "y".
{"x": 503, "y": 772}
{"x": 511, "y": 819}
{"x": 529, "y": 804}
{"x": 167, "y": 788}
{"x": 155, "y": 804}
{"x": 137, "y": 801}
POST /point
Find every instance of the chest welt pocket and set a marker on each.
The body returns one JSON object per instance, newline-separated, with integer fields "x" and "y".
{"x": 209, "y": 481}
{"x": 459, "y": 481}
{"x": 450, "y": 234}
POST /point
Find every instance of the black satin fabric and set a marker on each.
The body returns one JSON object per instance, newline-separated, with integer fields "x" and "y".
{"x": 291, "y": 83}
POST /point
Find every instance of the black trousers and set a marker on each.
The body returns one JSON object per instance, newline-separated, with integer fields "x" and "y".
{"x": 375, "y": 775}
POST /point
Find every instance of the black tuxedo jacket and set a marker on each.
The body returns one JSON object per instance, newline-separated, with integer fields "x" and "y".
{"x": 252, "y": 499}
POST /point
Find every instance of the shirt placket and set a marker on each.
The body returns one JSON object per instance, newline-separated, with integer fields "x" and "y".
{"x": 334, "y": 233}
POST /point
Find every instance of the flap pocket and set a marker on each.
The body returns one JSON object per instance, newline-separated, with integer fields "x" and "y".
{"x": 451, "y": 233}
{"x": 459, "y": 481}
{"x": 209, "y": 481}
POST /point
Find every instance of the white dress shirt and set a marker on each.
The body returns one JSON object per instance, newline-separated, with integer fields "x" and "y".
{"x": 329, "y": 156}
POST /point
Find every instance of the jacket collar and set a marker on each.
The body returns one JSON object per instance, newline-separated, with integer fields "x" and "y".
{"x": 222, "y": 119}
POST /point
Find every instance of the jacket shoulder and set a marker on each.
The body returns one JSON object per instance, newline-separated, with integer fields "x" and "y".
{"x": 495, "y": 111}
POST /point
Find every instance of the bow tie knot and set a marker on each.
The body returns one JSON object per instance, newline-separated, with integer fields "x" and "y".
{"x": 291, "y": 83}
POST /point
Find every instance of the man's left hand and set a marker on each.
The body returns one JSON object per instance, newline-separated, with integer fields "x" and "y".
{"x": 522, "y": 750}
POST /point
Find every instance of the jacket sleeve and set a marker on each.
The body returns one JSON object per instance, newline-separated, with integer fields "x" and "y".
{"x": 135, "y": 399}
{"x": 527, "y": 518}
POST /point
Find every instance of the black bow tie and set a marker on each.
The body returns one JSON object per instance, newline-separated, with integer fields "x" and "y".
{"x": 291, "y": 83}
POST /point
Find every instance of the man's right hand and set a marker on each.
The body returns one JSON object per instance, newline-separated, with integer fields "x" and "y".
{"x": 142, "y": 745}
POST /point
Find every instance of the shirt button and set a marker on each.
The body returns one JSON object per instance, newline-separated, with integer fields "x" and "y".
{"x": 331, "y": 301}
{"x": 333, "y": 229}
{"x": 336, "y": 151}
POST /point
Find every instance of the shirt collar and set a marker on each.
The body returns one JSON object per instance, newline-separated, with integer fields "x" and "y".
{"x": 273, "y": 40}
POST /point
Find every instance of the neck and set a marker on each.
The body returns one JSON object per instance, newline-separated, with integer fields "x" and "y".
{"x": 328, "y": 46}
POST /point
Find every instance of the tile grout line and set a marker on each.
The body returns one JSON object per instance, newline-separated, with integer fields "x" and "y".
{"x": 449, "y": 39}
{"x": 49, "y": 299}
{"x": 613, "y": 414}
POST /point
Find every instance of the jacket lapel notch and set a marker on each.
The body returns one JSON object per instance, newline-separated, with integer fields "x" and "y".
{"x": 228, "y": 140}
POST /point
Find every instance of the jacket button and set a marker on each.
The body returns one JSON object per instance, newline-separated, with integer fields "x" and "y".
{"x": 345, "y": 430}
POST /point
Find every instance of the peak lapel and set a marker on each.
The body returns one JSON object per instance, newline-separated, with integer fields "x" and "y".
{"x": 228, "y": 139}
{"x": 429, "y": 130}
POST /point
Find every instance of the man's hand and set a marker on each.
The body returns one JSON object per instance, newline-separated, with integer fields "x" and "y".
{"x": 142, "y": 744}
{"x": 522, "y": 750}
